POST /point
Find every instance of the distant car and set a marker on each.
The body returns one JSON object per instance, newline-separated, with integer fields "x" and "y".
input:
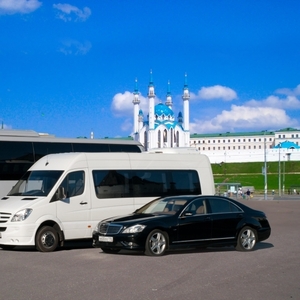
{"x": 183, "y": 221}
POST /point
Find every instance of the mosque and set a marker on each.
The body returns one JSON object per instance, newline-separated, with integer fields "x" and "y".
{"x": 161, "y": 129}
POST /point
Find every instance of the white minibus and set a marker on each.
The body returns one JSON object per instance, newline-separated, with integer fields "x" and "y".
{"x": 63, "y": 196}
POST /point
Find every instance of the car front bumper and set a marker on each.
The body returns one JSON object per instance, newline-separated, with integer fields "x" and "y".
{"x": 120, "y": 241}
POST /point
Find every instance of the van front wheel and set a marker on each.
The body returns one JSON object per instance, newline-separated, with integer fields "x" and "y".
{"x": 46, "y": 239}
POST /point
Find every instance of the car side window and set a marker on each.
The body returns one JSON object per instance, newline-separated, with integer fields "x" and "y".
{"x": 222, "y": 206}
{"x": 197, "y": 207}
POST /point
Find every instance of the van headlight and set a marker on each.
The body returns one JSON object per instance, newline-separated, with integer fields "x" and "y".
{"x": 21, "y": 215}
{"x": 134, "y": 229}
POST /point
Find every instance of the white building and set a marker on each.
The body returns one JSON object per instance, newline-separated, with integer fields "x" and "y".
{"x": 249, "y": 146}
{"x": 161, "y": 129}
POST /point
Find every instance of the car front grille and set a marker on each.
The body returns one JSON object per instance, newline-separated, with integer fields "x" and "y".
{"x": 107, "y": 228}
{"x": 4, "y": 217}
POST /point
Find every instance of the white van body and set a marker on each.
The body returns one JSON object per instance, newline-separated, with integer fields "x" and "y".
{"x": 34, "y": 219}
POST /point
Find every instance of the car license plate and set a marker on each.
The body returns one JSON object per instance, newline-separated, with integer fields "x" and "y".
{"x": 108, "y": 239}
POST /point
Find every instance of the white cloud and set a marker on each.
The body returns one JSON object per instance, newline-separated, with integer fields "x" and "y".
{"x": 289, "y": 92}
{"x": 73, "y": 47}
{"x": 241, "y": 118}
{"x": 122, "y": 104}
{"x": 290, "y": 102}
{"x": 127, "y": 125}
{"x": 11, "y": 7}
{"x": 215, "y": 92}
{"x": 68, "y": 11}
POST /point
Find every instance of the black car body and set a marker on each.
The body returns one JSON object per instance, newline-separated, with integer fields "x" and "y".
{"x": 183, "y": 221}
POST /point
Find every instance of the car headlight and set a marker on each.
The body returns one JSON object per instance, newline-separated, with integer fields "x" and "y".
{"x": 21, "y": 215}
{"x": 97, "y": 228}
{"x": 134, "y": 229}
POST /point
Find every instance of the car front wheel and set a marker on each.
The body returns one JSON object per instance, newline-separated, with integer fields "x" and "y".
{"x": 247, "y": 239}
{"x": 156, "y": 243}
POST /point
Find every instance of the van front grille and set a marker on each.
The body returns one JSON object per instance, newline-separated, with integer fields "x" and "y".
{"x": 4, "y": 217}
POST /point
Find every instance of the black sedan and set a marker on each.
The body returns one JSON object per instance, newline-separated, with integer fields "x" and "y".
{"x": 183, "y": 221}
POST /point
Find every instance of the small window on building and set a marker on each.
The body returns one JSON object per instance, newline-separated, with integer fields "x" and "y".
{"x": 249, "y": 147}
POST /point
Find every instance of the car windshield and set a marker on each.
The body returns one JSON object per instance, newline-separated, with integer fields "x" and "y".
{"x": 35, "y": 183}
{"x": 162, "y": 206}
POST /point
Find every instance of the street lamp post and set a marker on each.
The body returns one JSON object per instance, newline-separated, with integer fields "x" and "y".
{"x": 279, "y": 171}
{"x": 265, "y": 168}
{"x": 283, "y": 176}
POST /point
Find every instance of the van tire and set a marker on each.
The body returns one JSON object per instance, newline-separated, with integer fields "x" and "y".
{"x": 46, "y": 239}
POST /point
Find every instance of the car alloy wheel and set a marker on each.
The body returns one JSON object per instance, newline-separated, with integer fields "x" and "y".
{"x": 156, "y": 243}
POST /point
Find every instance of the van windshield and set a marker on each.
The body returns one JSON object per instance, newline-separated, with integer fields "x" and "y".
{"x": 35, "y": 183}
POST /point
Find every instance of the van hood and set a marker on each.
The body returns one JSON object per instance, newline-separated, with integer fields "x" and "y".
{"x": 12, "y": 204}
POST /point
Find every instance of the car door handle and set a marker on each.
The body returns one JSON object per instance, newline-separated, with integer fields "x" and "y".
{"x": 83, "y": 203}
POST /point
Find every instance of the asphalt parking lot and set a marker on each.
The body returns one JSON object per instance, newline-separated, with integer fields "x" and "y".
{"x": 79, "y": 271}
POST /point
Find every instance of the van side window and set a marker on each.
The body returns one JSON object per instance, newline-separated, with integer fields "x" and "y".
{"x": 73, "y": 184}
{"x": 145, "y": 183}
{"x": 112, "y": 183}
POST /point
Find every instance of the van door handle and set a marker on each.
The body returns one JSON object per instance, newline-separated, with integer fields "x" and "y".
{"x": 83, "y": 203}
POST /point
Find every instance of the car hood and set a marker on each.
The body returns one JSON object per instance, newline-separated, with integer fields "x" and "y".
{"x": 136, "y": 218}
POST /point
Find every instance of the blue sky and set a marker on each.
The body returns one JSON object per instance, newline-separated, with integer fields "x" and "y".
{"x": 69, "y": 68}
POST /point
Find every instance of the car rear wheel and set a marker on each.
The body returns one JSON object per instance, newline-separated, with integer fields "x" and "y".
{"x": 46, "y": 239}
{"x": 247, "y": 239}
{"x": 110, "y": 250}
{"x": 156, "y": 243}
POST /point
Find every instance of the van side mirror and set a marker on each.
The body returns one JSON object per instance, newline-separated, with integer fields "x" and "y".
{"x": 60, "y": 194}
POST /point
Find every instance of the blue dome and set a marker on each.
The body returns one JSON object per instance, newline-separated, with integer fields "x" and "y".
{"x": 162, "y": 109}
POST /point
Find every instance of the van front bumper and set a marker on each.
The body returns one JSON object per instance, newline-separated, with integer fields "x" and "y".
{"x": 16, "y": 234}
